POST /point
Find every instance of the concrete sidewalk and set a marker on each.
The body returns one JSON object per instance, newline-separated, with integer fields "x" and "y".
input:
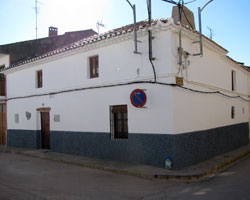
{"x": 193, "y": 173}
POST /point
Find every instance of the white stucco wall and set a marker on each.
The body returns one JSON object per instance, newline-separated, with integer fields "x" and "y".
{"x": 195, "y": 111}
{"x": 88, "y": 110}
{"x": 168, "y": 110}
{"x": 211, "y": 72}
{"x": 117, "y": 63}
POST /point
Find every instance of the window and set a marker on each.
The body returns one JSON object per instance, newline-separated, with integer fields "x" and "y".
{"x": 232, "y": 112}
{"x": 233, "y": 80}
{"x": 93, "y": 67}
{"x": 39, "y": 79}
{"x": 119, "y": 122}
{"x": 2, "y": 67}
{"x": 16, "y": 118}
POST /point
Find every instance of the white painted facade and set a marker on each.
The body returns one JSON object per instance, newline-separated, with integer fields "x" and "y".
{"x": 169, "y": 110}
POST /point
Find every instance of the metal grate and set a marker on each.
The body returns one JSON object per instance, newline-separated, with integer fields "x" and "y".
{"x": 119, "y": 122}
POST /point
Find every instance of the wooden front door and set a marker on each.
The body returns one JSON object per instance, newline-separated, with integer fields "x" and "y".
{"x": 2, "y": 124}
{"x": 45, "y": 130}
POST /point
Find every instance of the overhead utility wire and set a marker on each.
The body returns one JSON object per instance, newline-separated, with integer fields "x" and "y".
{"x": 189, "y": 2}
{"x": 187, "y": 18}
{"x": 128, "y": 83}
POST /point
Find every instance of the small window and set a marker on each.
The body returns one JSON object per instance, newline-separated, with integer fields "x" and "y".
{"x": 232, "y": 112}
{"x": 233, "y": 80}
{"x": 57, "y": 118}
{"x": 16, "y": 118}
{"x": 39, "y": 79}
{"x": 119, "y": 122}
{"x": 93, "y": 67}
{"x": 2, "y": 67}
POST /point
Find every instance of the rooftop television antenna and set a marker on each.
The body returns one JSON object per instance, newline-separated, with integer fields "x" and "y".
{"x": 98, "y": 25}
{"x": 211, "y": 32}
{"x": 36, "y": 11}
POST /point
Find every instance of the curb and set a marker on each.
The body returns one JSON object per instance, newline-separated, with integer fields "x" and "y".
{"x": 182, "y": 178}
{"x": 197, "y": 177}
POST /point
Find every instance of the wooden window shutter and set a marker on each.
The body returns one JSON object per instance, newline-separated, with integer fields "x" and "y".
{"x": 40, "y": 79}
{"x": 94, "y": 67}
{"x": 233, "y": 80}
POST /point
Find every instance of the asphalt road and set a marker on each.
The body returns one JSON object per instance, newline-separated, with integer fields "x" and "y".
{"x": 24, "y": 178}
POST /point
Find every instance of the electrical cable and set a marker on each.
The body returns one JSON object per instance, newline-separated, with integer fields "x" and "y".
{"x": 186, "y": 18}
{"x": 153, "y": 69}
{"x": 150, "y": 40}
{"x": 170, "y": 1}
{"x": 190, "y": 2}
{"x": 129, "y": 83}
{"x": 175, "y": 46}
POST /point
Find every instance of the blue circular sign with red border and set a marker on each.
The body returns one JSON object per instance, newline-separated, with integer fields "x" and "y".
{"x": 138, "y": 98}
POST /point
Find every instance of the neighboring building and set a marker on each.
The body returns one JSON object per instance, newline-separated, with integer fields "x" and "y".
{"x": 29, "y": 49}
{"x": 249, "y": 101}
{"x": 12, "y": 54}
{"x": 81, "y": 99}
{"x": 248, "y": 69}
{"x": 4, "y": 62}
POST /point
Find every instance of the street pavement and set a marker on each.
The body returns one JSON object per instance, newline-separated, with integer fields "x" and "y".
{"x": 25, "y": 177}
{"x": 192, "y": 173}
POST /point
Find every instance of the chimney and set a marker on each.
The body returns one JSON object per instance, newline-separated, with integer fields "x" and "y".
{"x": 52, "y": 31}
{"x": 187, "y": 16}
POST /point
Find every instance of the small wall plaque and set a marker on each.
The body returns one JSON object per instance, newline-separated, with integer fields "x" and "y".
{"x": 28, "y": 115}
{"x": 179, "y": 81}
{"x": 56, "y": 118}
{"x": 16, "y": 118}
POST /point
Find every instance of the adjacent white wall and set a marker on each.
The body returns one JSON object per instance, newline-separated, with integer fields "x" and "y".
{"x": 212, "y": 72}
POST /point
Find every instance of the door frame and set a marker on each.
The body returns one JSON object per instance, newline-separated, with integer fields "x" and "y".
{"x": 44, "y": 110}
{"x": 3, "y": 134}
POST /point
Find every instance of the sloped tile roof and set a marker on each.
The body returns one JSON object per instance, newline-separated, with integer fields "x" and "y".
{"x": 89, "y": 40}
{"x": 107, "y": 35}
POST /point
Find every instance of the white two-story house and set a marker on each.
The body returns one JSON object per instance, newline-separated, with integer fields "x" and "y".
{"x": 98, "y": 98}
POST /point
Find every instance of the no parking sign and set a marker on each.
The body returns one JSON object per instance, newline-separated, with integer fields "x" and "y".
{"x": 138, "y": 98}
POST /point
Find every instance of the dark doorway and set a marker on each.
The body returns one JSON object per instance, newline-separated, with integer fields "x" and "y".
{"x": 2, "y": 124}
{"x": 45, "y": 130}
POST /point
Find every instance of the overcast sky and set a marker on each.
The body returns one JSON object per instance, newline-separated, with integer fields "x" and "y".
{"x": 229, "y": 19}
